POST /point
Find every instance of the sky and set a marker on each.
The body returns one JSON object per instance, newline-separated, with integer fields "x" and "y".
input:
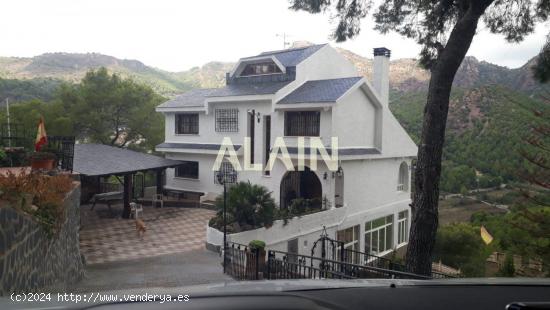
{"x": 175, "y": 35}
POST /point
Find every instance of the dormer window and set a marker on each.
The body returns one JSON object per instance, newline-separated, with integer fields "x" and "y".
{"x": 260, "y": 69}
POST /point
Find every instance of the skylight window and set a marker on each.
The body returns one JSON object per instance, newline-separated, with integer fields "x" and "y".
{"x": 260, "y": 69}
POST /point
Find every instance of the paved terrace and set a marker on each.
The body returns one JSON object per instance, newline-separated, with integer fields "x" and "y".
{"x": 169, "y": 230}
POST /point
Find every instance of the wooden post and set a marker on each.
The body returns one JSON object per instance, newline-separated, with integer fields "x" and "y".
{"x": 159, "y": 184}
{"x": 127, "y": 195}
{"x": 159, "y": 181}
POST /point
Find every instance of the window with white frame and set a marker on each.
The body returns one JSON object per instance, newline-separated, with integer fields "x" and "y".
{"x": 379, "y": 235}
{"x": 260, "y": 69}
{"x": 403, "y": 179}
{"x": 350, "y": 237}
{"x": 227, "y": 120}
{"x": 402, "y": 227}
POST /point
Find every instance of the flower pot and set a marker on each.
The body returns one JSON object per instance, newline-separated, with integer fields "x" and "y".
{"x": 45, "y": 164}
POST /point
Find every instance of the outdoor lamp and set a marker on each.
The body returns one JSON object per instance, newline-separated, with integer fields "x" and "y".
{"x": 219, "y": 177}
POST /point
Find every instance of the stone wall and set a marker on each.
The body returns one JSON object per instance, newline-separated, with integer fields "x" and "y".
{"x": 30, "y": 261}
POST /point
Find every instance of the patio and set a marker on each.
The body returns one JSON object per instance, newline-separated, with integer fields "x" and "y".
{"x": 169, "y": 230}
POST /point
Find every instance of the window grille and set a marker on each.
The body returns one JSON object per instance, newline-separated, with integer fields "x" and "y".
{"x": 303, "y": 123}
{"x": 226, "y": 168}
{"x": 227, "y": 120}
{"x": 187, "y": 123}
{"x": 188, "y": 170}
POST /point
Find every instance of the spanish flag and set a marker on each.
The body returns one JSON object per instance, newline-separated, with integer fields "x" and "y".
{"x": 41, "y": 137}
{"x": 485, "y": 235}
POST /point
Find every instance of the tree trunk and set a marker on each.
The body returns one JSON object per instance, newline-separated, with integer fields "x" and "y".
{"x": 428, "y": 167}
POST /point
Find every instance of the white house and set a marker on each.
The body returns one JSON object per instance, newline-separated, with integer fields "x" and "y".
{"x": 304, "y": 92}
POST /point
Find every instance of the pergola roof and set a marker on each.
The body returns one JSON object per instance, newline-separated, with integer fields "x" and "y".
{"x": 102, "y": 160}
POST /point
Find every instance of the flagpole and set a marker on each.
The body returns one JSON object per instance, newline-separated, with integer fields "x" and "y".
{"x": 9, "y": 129}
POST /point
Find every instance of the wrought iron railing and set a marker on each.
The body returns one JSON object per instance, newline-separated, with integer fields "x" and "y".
{"x": 243, "y": 262}
{"x": 63, "y": 147}
{"x": 282, "y": 265}
{"x": 366, "y": 259}
{"x": 14, "y": 135}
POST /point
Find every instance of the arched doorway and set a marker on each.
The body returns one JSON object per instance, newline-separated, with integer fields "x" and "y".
{"x": 301, "y": 184}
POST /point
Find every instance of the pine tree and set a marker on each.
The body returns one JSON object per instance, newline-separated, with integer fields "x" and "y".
{"x": 445, "y": 29}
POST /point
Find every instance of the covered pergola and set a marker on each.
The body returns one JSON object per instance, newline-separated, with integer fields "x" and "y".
{"x": 98, "y": 160}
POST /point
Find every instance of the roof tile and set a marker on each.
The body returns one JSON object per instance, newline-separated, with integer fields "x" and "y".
{"x": 320, "y": 91}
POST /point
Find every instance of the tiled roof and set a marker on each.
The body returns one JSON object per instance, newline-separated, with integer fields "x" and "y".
{"x": 195, "y": 146}
{"x": 244, "y": 89}
{"x": 192, "y": 98}
{"x": 196, "y": 97}
{"x": 292, "y": 57}
{"x": 98, "y": 159}
{"x": 320, "y": 90}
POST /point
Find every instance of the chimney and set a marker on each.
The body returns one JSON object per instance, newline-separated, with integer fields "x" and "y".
{"x": 381, "y": 73}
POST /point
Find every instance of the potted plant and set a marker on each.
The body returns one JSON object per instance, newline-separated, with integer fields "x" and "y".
{"x": 42, "y": 160}
{"x": 257, "y": 247}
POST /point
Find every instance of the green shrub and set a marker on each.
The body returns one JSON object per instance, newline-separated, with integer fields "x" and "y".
{"x": 460, "y": 246}
{"x": 507, "y": 269}
{"x": 256, "y": 244}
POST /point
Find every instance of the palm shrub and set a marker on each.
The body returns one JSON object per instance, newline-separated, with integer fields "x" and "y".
{"x": 249, "y": 206}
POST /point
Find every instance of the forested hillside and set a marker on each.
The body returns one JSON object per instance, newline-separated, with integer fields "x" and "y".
{"x": 485, "y": 128}
{"x": 24, "y": 90}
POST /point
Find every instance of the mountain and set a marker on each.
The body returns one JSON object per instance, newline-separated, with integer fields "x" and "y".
{"x": 72, "y": 67}
{"x": 405, "y": 74}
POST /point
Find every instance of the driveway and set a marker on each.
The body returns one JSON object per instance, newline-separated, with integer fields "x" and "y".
{"x": 173, "y": 270}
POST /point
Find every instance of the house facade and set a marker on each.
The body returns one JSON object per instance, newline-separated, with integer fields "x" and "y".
{"x": 294, "y": 96}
